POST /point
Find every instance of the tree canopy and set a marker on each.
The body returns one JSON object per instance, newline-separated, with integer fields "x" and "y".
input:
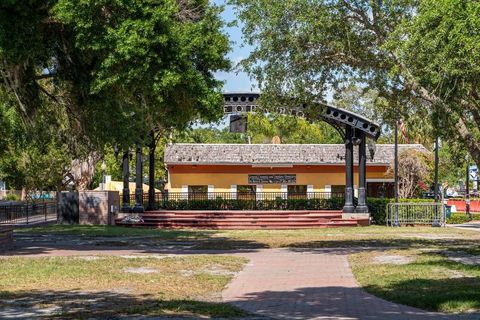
{"x": 108, "y": 72}
{"x": 419, "y": 56}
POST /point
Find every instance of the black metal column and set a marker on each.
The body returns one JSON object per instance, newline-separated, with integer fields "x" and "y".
{"x": 151, "y": 175}
{"x": 138, "y": 208}
{"x": 348, "y": 207}
{"x": 362, "y": 175}
{"x": 126, "y": 189}
{"x": 467, "y": 191}
{"x": 395, "y": 208}
{"x": 436, "y": 189}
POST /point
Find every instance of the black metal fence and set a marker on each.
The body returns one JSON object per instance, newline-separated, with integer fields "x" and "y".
{"x": 23, "y": 213}
{"x": 246, "y": 200}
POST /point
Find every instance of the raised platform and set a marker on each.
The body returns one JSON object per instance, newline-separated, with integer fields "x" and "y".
{"x": 244, "y": 219}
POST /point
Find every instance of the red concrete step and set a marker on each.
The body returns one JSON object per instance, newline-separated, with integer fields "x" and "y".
{"x": 236, "y": 219}
{"x": 170, "y": 215}
{"x": 259, "y": 212}
{"x": 243, "y": 226}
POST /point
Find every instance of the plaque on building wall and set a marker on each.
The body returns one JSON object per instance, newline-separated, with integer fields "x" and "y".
{"x": 272, "y": 178}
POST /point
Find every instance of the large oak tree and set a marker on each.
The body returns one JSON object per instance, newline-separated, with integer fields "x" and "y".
{"x": 115, "y": 68}
{"x": 420, "y": 56}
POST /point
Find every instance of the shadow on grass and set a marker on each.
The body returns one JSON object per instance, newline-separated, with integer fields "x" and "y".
{"x": 374, "y": 244}
{"x": 104, "y": 305}
{"x": 102, "y": 239}
{"x": 457, "y": 294}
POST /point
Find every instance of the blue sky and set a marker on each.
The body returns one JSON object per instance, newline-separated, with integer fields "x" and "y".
{"x": 235, "y": 81}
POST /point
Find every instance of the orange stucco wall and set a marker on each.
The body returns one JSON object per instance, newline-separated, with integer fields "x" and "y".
{"x": 222, "y": 177}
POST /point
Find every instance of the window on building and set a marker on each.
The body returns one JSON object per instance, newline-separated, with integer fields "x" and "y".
{"x": 297, "y": 191}
{"x": 197, "y": 192}
{"x": 338, "y": 190}
{"x": 246, "y": 192}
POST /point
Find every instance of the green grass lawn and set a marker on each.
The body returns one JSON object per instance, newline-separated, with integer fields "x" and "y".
{"x": 428, "y": 281}
{"x": 104, "y": 286}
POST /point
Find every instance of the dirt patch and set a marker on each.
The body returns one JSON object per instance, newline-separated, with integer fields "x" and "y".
{"x": 392, "y": 259}
{"x": 140, "y": 270}
{"x": 429, "y": 236}
{"x": 213, "y": 271}
{"x": 90, "y": 258}
{"x": 149, "y": 256}
{"x": 462, "y": 257}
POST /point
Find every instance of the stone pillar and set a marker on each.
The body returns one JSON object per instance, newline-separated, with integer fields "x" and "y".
{"x": 362, "y": 175}
{"x": 138, "y": 208}
{"x": 348, "y": 207}
{"x": 126, "y": 188}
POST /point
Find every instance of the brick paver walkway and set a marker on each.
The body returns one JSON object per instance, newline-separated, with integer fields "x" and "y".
{"x": 284, "y": 284}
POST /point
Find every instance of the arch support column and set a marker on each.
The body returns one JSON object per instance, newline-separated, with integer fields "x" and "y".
{"x": 362, "y": 175}
{"x": 126, "y": 188}
{"x": 138, "y": 208}
{"x": 348, "y": 207}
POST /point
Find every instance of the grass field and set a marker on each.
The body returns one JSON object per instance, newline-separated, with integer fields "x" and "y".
{"x": 372, "y": 236}
{"x": 102, "y": 286}
{"x": 424, "y": 279}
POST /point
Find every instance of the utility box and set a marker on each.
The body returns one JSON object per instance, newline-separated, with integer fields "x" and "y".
{"x": 98, "y": 207}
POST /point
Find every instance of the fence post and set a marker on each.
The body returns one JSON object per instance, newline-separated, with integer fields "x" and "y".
{"x": 26, "y": 208}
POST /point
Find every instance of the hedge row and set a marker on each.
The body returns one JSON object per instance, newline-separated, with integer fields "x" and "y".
{"x": 333, "y": 203}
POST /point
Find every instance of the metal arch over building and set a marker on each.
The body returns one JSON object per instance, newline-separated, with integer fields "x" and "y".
{"x": 337, "y": 117}
{"x": 353, "y": 128}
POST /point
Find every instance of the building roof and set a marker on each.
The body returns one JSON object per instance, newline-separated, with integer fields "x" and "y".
{"x": 273, "y": 154}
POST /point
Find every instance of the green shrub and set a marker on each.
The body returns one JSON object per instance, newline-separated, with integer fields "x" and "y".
{"x": 334, "y": 203}
{"x": 12, "y": 197}
{"x": 457, "y": 218}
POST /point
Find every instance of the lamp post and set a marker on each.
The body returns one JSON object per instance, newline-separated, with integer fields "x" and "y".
{"x": 467, "y": 189}
{"x": 395, "y": 185}
{"x": 104, "y": 168}
{"x": 435, "y": 185}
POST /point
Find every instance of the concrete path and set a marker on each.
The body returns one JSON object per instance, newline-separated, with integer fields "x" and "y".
{"x": 283, "y": 284}
{"x": 473, "y": 225}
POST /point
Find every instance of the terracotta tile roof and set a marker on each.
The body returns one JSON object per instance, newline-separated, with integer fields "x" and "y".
{"x": 274, "y": 154}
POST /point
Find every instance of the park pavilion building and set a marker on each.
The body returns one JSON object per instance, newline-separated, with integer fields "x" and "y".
{"x": 289, "y": 169}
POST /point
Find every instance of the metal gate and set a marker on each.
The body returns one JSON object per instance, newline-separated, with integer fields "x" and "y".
{"x": 415, "y": 213}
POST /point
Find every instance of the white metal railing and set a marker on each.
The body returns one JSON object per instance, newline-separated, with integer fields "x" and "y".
{"x": 415, "y": 213}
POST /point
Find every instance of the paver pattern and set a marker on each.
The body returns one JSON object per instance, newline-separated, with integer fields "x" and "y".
{"x": 318, "y": 284}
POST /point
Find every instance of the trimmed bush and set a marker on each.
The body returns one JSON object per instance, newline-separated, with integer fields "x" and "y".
{"x": 334, "y": 203}
{"x": 458, "y": 217}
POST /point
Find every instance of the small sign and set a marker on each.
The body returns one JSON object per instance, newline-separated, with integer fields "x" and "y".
{"x": 272, "y": 178}
{"x": 238, "y": 123}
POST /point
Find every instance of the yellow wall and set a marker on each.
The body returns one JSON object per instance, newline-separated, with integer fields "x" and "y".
{"x": 222, "y": 181}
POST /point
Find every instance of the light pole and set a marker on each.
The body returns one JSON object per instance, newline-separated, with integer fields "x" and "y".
{"x": 467, "y": 190}
{"x": 395, "y": 186}
{"x": 104, "y": 168}
{"x": 435, "y": 185}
